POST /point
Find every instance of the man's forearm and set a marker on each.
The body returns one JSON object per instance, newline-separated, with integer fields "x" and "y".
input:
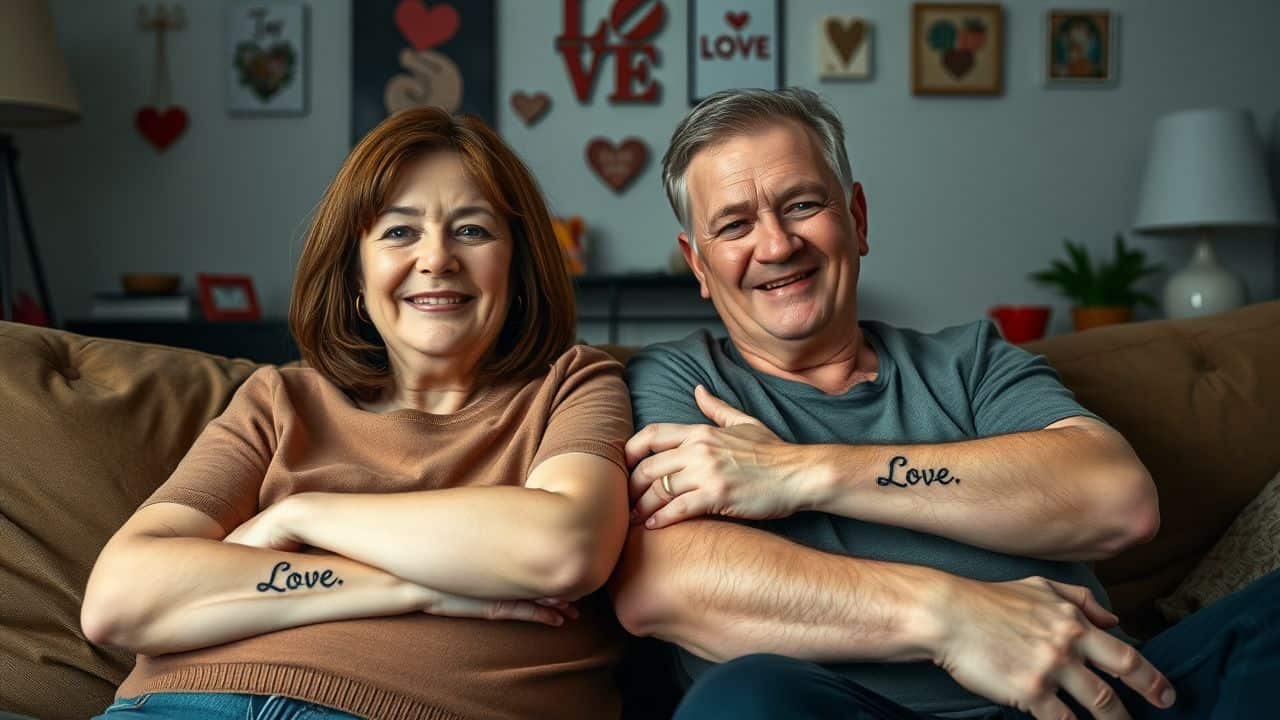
{"x": 1069, "y": 493}
{"x": 723, "y": 590}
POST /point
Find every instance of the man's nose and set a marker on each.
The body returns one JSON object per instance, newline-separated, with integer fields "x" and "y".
{"x": 774, "y": 244}
{"x": 436, "y": 254}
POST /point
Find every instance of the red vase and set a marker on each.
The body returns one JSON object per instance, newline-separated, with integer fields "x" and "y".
{"x": 1021, "y": 323}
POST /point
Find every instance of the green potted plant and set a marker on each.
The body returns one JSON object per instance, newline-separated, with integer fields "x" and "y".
{"x": 1104, "y": 295}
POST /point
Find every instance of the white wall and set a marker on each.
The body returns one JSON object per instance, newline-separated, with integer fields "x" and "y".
{"x": 966, "y": 195}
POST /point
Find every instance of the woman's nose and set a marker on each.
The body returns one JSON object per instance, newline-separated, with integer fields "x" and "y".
{"x": 436, "y": 255}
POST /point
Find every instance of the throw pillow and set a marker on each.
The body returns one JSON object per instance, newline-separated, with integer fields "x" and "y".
{"x": 1249, "y": 549}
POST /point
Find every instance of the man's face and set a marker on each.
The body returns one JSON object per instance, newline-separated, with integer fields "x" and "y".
{"x": 778, "y": 242}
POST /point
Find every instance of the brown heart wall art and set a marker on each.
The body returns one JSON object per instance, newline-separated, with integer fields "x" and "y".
{"x": 617, "y": 165}
{"x": 530, "y": 108}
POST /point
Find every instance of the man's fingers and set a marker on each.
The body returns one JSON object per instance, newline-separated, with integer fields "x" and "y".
{"x": 717, "y": 410}
{"x": 651, "y": 469}
{"x": 1052, "y": 708}
{"x": 654, "y": 497}
{"x": 655, "y": 438}
{"x": 1125, "y": 662}
{"x": 1088, "y": 604}
{"x": 1093, "y": 694}
{"x": 684, "y": 507}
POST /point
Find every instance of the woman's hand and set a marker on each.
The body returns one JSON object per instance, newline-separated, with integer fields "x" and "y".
{"x": 266, "y": 530}
{"x": 547, "y": 611}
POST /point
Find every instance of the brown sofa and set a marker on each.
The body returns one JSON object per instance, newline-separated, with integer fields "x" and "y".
{"x": 88, "y": 427}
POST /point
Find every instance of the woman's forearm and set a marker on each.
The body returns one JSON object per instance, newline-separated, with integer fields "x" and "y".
{"x": 484, "y": 542}
{"x": 158, "y": 595}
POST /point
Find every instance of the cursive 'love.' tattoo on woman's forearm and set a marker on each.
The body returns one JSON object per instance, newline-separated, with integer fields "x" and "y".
{"x": 296, "y": 580}
{"x": 928, "y": 476}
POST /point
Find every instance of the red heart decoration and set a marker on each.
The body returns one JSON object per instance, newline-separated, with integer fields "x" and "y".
{"x": 530, "y": 108}
{"x": 617, "y": 165}
{"x": 161, "y": 129}
{"x": 425, "y": 28}
{"x": 738, "y": 20}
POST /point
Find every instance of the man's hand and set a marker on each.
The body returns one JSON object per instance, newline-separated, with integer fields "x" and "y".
{"x": 739, "y": 469}
{"x": 1018, "y": 643}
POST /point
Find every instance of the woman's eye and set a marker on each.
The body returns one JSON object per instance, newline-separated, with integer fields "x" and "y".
{"x": 473, "y": 232}
{"x": 400, "y": 232}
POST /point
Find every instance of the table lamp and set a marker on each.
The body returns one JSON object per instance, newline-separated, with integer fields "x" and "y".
{"x": 35, "y": 91}
{"x": 1205, "y": 172}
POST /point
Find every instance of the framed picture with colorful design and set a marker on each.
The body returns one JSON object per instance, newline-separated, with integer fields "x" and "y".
{"x": 266, "y": 57}
{"x": 957, "y": 49}
{"x": 1080, "y": 47}
{"x": 406, "y": 53}
{"x": 734, "y": 44}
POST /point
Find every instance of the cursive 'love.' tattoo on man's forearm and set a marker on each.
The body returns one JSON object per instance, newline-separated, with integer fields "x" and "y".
{"x": 928, "y": 476}
{"x": 296, "y": 580}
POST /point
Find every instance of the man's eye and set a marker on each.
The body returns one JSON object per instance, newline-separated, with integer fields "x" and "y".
{"x": 804, "y": 206}
{"x": 733, "y": 228}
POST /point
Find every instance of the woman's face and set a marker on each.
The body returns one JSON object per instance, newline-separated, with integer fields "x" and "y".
{"x": 434, "y": 270}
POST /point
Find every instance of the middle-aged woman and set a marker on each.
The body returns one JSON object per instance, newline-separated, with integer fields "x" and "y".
{"x": 394, "y": 531}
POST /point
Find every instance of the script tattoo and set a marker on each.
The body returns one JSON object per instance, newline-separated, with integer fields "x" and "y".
{"x": 928, "y": 476}
{"x": 295, "y": 580}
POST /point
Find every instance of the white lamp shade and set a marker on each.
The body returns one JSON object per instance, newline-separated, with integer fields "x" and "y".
{"x": 35, "y": 87}
{"x": 1205, "y": 170}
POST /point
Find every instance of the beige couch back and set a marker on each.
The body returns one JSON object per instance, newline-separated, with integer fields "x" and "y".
{"x": 89, "y": 427}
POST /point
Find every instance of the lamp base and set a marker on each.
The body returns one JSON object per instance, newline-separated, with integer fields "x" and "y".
{"x": 1203, "y": 287}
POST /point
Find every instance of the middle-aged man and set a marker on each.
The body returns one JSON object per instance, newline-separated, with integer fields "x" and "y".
{"x": 902, "y": 521}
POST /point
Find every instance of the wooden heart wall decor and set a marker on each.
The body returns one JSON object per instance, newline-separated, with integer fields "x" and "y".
{"x": 530, "y": 108}
{"x": 617, "y": 165}
{"x": 845, "y": 45}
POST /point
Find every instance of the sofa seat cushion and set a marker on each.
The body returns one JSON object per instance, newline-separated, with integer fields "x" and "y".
{"x": 88, "y": 429}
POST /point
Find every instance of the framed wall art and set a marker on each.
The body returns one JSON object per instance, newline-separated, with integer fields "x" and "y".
{"x": 1080, "y": 47}
{"x": 734, "y": 44}
{"x": 406, "y": 53}
{"x": 266, "y": 60}
{"x": 957, "y": 49}
{"x": 844, "y": 48}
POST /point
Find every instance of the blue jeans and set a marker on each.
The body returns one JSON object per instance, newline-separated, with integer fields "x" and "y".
{"x": 217, "y": 706}
{"x": 1224, "y": 661}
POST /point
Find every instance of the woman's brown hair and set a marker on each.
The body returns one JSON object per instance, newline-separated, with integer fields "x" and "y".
{"x": 332, "y": 336}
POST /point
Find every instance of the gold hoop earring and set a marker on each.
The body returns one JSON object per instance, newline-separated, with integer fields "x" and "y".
{"x": 365, "y": 317}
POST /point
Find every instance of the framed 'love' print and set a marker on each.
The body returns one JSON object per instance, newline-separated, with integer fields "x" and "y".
{"x": 734, "y": 44}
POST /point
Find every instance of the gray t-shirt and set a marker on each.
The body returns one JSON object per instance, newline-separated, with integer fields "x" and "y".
{"x": 959, "y": 383}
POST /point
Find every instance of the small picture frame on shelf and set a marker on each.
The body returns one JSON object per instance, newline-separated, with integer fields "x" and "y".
{"x": 1080, "y": 47}
{"x": 228, "y": 297}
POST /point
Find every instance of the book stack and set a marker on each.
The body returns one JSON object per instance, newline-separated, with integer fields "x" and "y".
{"x": 123, "y": 306}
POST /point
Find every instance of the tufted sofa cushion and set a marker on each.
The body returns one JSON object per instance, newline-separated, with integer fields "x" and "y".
{"x": 88, "y": 428}
{"x": 1199, "y": 400}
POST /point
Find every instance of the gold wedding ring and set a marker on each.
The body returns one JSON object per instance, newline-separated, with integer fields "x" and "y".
{"x": 666, "y": 485}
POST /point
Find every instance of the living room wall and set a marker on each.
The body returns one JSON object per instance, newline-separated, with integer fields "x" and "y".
{"x": 966, "y": 195}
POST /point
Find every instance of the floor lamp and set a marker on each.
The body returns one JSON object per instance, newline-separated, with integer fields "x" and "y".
{"x": 35, "y": 91}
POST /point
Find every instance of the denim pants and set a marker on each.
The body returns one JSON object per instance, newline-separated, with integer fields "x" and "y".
{"x": 217, "y": 706}
{"x": 1224, "y": 661}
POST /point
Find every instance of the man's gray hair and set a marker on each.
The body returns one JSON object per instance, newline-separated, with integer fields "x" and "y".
{"x": 736, "y": 112}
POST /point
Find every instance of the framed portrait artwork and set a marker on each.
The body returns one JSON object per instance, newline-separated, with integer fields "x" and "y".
{"x": 406, "y": 53}
{"x": 266, "y": 58}
{"x": 228, "y": 297}
{"x": 1080, "y": 47}
{"x": 957, "y": 49}
{"x": 734, "y": 44}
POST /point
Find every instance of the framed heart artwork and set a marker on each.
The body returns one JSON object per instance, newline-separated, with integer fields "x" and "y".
{"x": 957, "y": 49}
{"x": 844, "y": 48}
{"x": 266, "y": 58}
{"x": 406, "y": 53}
